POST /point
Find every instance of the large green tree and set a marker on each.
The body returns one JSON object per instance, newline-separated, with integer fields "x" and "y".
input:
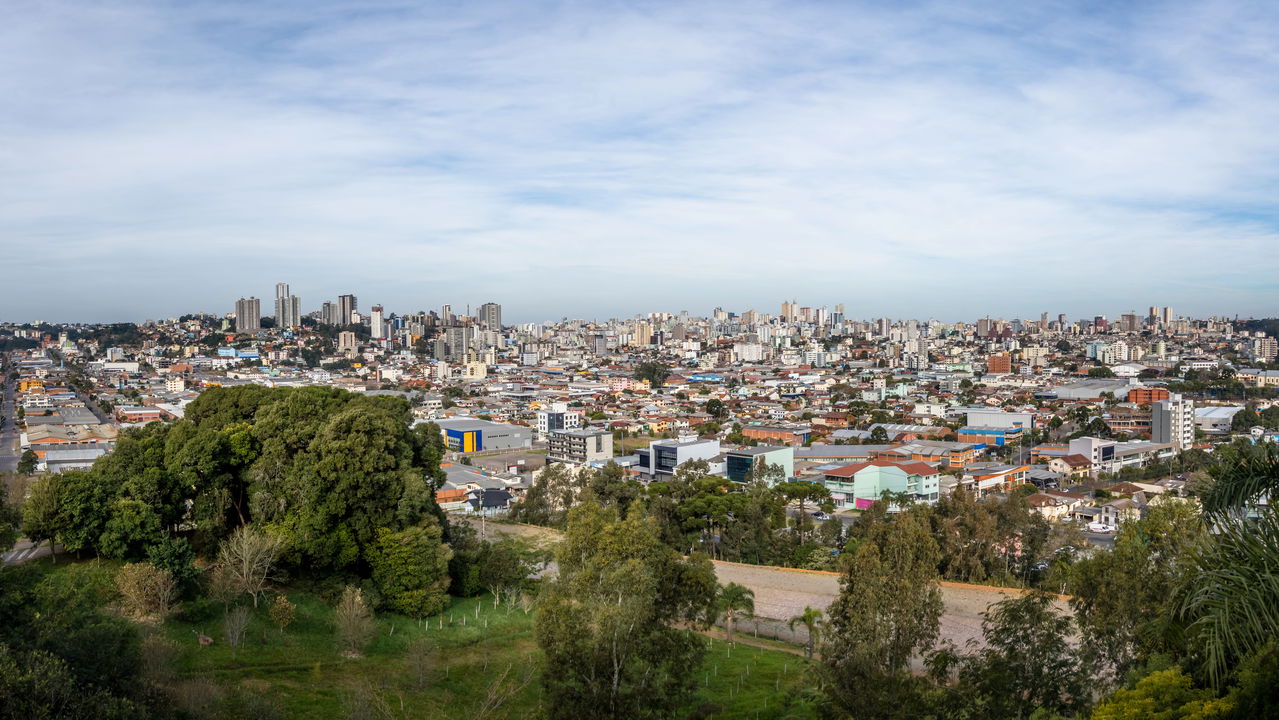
{"x": 410, "y": 568}
{"x": 611, "y": 625}
{"x": 888, "y": 611}
{"x": 1122, "y": 598}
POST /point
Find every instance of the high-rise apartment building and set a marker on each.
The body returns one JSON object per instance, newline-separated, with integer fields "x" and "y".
{"x": 1173, "y": 421}
{"x": 346, "y": 342}
{"x": 346, "y": 308}
{"x": 288, "y": 308}
{"x": 490, "y": 315}
{"x": 1167, "y": 316}
{"x": 248, "y": 315}
{"x": 377, "y": 324}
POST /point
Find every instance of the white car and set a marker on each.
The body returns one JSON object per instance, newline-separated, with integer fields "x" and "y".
{"x": 1100, "y": 528}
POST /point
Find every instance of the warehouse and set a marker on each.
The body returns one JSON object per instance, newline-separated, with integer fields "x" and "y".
{"x": 471, "y": 435}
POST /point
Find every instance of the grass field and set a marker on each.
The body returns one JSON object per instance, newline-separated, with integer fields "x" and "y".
{"x": 470, "y": 650}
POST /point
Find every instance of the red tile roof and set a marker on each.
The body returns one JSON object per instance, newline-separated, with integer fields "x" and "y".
{"x": 914, "y": 468}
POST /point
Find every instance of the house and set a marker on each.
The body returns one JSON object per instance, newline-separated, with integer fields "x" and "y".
{"x": 1118, "y": 511}
{"x": 1051, "y": 507}
{"x": 857, "y": 486}
{"x": 1073, "y": 465}
{"x": 994, "y": 478}
{"x": 489, "y": 501}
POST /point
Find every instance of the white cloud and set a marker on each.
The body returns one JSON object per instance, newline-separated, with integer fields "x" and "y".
{"x": 589, "y": 160}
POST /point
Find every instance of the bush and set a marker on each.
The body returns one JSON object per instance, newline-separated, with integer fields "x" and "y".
{"x": 148, "y": 592}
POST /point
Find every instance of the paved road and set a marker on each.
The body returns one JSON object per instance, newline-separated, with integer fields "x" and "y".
{"x": 9, "y": 452}
{"x": 24, "y": 551}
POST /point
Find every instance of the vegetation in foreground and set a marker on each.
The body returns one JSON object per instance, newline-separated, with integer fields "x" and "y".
{"x": 476, "y": 659}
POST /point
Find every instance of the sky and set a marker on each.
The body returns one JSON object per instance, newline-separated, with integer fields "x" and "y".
{"x": 602, "y": 159}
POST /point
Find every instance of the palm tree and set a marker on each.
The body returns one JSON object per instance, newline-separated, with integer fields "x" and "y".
{"x": 811, "y": 619}
{"x": 735, "y": 600}
{"x": 1228, "y": 604}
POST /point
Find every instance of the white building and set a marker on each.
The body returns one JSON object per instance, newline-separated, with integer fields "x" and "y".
{"x": 1173, "y": 421}
{"x": 557, "y": 417}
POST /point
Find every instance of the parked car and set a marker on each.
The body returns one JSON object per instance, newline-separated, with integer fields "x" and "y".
{"x": 1100, "y": 528}
{"x": 820, "y": 516}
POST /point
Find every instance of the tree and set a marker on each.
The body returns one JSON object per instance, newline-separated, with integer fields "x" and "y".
{"x": 1227, "y": 601}
{"x": 878, "y": 435}
{"x": 1122, "y": 598}
{"x": 888, "y": 609}
{"x": 411, "y": 569}
{"x": 234, "y": 624}
{"x": 652, "y": 371}
{"x": 282, "y": 612}
{"x": 1028, "y": 662}
{"x": 353, "y": 621}
{"x": 735, "y": 600}
{"x": 1101, "y": 372}
{"x": 175, "y": 556}
{"x": 248, "y": 558}
{"x": 504, "y": 568}
{"x": 27, "y": 463}
{"x": 811, "y": 619}
{"x": 716, "y": 408}
{"x": 40, "y": 511}
{"x": 803, "y": 493}
{"x": 1242, "y": 421}
{"x": 611, "y": 624}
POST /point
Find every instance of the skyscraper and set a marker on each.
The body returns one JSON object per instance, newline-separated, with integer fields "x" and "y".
{"x": 490, "y": 315}
{"x": 346, "y": 308}
{"x": 248, "y": 315}
{"x": 288, "y": 310}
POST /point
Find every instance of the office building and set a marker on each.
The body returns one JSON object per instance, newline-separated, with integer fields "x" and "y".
{"x": 490, "y": 316}
{"x": 738, "y": 463}
{"x": 1172, "y": 421}
{"x": 663, "y": 456}
{"x": 248, "y": 315}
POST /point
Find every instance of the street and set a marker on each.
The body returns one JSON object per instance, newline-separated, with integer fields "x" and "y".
{"x": 9, "y": 453}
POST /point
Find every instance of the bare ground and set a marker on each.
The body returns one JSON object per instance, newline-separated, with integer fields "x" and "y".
{"x": 782, "y": 593}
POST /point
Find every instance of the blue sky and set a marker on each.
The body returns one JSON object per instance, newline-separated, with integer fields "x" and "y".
{"x": 598, "y": 159}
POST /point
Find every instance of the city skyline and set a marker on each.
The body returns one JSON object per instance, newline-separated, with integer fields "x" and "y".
{"x": 609, "y": 160}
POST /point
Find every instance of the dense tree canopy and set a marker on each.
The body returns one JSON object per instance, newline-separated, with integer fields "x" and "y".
{"x": 323, "y": 469}
{"x": 609, "y": 625}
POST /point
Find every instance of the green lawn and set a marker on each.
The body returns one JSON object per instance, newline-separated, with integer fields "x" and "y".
{"x": 300, "y": 671}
